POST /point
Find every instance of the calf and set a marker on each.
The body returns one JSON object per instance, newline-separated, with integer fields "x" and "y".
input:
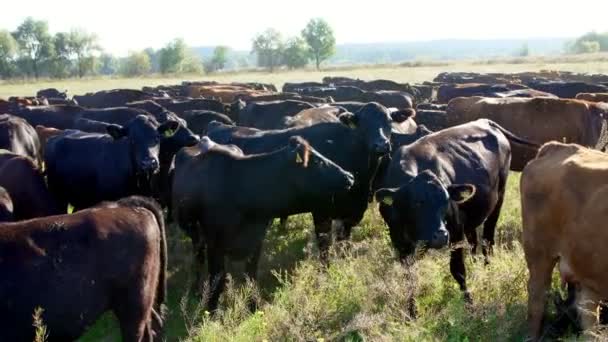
{"x": 564, "y": 204}
{"x": 442, "y": 187}
{"x": 225, "y": 201}
{"x": 76, "y": 267}
{"x": 19, "y": 137}
{"x": 356, "y": 144}
{"x": 24, "y": 181}
{"x": 86, "y": 168}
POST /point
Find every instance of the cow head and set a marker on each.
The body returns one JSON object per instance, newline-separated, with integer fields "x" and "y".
{"x": 143, "y": 135}
{"x": 174, "y": 136}
{"x": 311, "y": 172}
{"x": 418, "y": 210}
{"x": 373, "y": 123}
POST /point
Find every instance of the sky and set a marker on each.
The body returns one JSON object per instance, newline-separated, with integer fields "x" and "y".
{"x": 129, "y": 25}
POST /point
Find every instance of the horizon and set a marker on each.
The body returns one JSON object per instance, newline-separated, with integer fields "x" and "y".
{"x": 141, "y": 25}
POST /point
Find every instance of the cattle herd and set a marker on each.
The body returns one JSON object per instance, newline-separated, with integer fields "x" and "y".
{"x": 225, "y": 160}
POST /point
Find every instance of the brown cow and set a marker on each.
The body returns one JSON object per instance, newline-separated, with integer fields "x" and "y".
{"x": 76, "y": 267}
{"x": 593, "y": 97}
{"x": 537, "y": 119}
{"x": 25, "y": 184}
{"x": 564, "y": 200}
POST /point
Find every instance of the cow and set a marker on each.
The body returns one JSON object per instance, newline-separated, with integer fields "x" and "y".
{"x": 563, "y": 202}
{"x": 109, "y": 258}
{"x": 290, "y": 96}
{"x": 435, "y": 120}
{"x": 593, "y": 97}
{"x": 19, "y": 137}
{"x": 56, "y": 116}
{"x": 270, "y": 115}
{"x": 24, "y": 181}
{"x": 84, "y": 169}
{"x": 160, "y": 113}
{"x": 227, "y": 214}
{"x": 180, "y": 107}
{"x": 356, "y": 144}
{"x": 198, "y": 120}
{"x": 522, "y": 93}
{"x": 447, "y": 92}
{"x": 52, "y": 93}
{"x": 440, "y": 188}
{"x": 6, "y": 206}
{"x": 567, "y": 90}
{"x": 538, "y": 119}
{"x": 111, "y": 98}
{"x": 296, "y": 87}
{"x": 432, "y": 106}
{"x": 313, "y": 116}
{"x": 44, "y": 134}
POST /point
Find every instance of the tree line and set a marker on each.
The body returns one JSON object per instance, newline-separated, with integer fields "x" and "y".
{"x": 591, "y": 42}
{"x": 31, "y": 51}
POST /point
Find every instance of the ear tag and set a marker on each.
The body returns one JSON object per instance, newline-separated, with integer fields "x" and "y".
{"x": 352, "y": 125}
{"x": 299, "y": 159}
{"x": 168, "y": 133}
{"x": 388, "y": 200}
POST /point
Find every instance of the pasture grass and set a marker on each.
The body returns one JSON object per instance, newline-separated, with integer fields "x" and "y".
{"x": 411, "y": 72}
{"x": 363, "y": 294}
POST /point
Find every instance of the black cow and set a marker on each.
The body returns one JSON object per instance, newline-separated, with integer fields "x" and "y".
{"x": 52, "y": 93}
{"x": 25, "y": 183}
{"x": 568, "y": 90}
{"x": 180, "y": 107}
{"x": 270, "y": 115}
{"x": 159, "y": 112}
{"x": 86, "y": 168}
{"x": 56, "y": 116}
{"x": 198, "y": 120}
{"x": 432, "y": 106}
{"x": 225, "y": 201}
{"x": 356, "y": 144}
{"x": 442, "y": 187}
{"x": 76, "y": 267}
{"x": 435, "y": 120}
{"x": 447, "y": 92}
{"x": 19, "y": 137}
{"x": 111, "y": 98}
{"x": 296, "y": 87}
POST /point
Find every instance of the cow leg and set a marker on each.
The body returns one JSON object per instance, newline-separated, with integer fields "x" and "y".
{"x": 489, "y": 229}
{"x": 471, "y": 235}
{"x": 133, "y": 309}
{"x": 217, "y": 276}
{"x": 251, "y": 269}
{"x": 459, "y": 272}
{"x": 323, "y": 233}
{"x": 198, "y": 264}
{"x": 540, "y": 269}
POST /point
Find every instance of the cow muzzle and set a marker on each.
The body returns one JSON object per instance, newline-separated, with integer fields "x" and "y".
{"x": 440, "y": 239}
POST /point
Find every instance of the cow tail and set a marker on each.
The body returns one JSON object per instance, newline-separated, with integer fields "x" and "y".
{"x": 512, "y": 137}
{"x": 154, "y": 207}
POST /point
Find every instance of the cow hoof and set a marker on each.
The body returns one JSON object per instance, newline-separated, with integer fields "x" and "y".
{"x": 468, "y": 299}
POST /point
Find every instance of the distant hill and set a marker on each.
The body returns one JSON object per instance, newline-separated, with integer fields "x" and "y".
{"x": 449, "y": 49}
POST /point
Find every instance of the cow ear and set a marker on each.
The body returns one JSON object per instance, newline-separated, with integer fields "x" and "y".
{"x": 300, "y": 150}
{"x": 349, "y": 119}
{"x": 461, "y": 193}
{"x": 116, "y": 131}
{"x": 400, "y": 116}
{"x": 386, "y": 196}
{"x": 168, "y": 128}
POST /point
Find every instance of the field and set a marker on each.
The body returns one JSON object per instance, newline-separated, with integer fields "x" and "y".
{"x": 363, "y": 294}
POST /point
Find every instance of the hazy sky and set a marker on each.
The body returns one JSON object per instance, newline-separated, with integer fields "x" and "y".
{"x": 125, "y": 25}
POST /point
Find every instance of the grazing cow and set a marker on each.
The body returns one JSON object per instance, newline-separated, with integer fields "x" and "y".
{"x": 25, "y": 183}
{"x": 356, "y": 144}
{"x": 270, "y": 115}
{"x": 593, "y": 97}
{"x": 111, "y": 98}
{"x": 568, "y": 90}
{"x": 110, "y": 258}
{"x": 226, "y": 201}
{"x": 19, "y": 137}
{"x": 6, "y": 206}
{"x": 564, "y": 202}
{"x": 86, "y": 168}
{"x": 198, "y": 120}
{"x": 442, "y": 187}
{"x": 537, "y": 119}
{"x": 447, "y": 92}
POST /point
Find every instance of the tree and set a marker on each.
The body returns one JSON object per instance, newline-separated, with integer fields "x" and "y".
{"x": 192, "y": 64}
{"x": 35, "y": 43}
{"x": 82, "y": 46}
{"x": 524, "y": 51}
{"x": 60, "y": 65}
{"x": 8, "y": 53}
{"x": 172, "y": 56}
{"x": 321, "y": 41}
{"x": 296, "y": 53}
{"x": 108, "y": 64}
{"x": 269, "y": 48}
{"x": 219, "y": 59}
{"x": 136, "y": 64}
